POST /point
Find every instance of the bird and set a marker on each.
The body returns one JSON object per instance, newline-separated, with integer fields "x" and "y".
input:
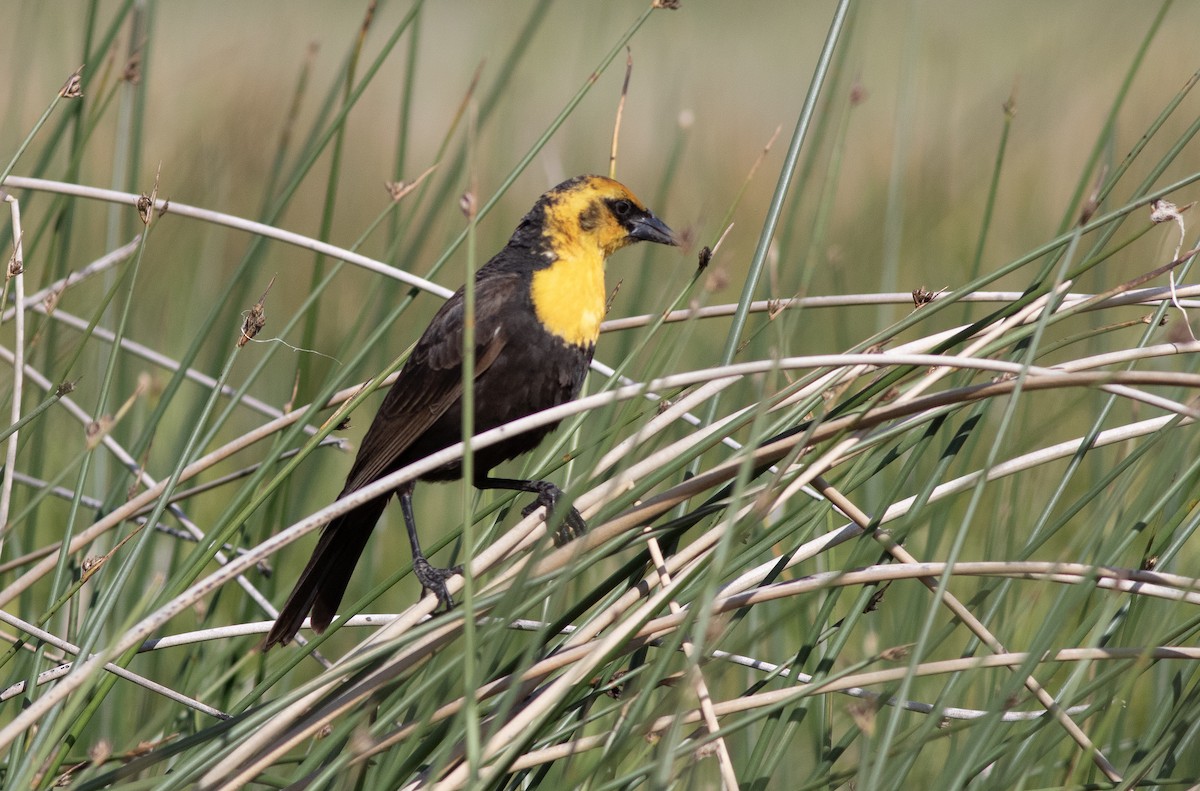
{"x": 539, "y": 303}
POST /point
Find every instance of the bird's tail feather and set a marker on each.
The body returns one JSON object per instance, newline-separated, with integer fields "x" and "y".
{"x": 323, "y": 582}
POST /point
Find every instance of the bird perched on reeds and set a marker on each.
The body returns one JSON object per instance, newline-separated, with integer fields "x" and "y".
{"x": 538, "y": 307}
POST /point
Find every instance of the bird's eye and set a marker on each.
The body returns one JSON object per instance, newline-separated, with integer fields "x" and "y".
{"x": 622, "y": 208}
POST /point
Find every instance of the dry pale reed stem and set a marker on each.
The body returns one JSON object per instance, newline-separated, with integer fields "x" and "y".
{"x": 977, "y": 628}
{"x": 15, "y": 274}
{"x": 1170, "y": 587}
{"x": 728, "y": 778}
{"x": 70, "y": 648}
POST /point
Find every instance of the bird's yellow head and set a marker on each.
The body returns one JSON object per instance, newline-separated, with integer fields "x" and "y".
{"x": 597, "y": 212}
{"x": 575, "y": 226}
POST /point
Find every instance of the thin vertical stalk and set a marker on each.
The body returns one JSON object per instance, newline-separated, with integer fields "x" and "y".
{"x": 807, "y": 111}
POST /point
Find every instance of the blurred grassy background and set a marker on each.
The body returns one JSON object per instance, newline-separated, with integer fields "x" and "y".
{"x": 910, "y": 164}
{"x": 935, "y": 73}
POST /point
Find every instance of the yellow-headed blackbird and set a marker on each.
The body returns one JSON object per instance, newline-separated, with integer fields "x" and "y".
{"x": 538, "y": 307}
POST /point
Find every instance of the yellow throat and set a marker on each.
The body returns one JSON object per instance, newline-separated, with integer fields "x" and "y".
{"x": 569, "y": 297}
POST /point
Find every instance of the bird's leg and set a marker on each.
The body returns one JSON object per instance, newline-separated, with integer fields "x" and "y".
{"x": 548, "y": 494}
{"x": 432, "y": 578}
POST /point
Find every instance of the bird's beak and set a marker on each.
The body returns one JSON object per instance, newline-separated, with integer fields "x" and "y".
{"x": 649, "y": 228}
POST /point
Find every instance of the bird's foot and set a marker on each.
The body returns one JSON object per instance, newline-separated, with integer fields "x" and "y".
{"x": 433, "y": 579}
{"x": 572, "y": 526}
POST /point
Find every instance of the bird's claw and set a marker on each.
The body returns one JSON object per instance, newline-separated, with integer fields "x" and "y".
{"x": 433, "y": 579}
{"x": 572, "y": 526}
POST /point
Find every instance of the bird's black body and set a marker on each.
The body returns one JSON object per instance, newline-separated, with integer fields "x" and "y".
{"x": 525, "y": 362}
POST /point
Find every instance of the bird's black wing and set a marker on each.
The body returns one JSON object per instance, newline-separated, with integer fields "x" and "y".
{"x": 431, "y": 380}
